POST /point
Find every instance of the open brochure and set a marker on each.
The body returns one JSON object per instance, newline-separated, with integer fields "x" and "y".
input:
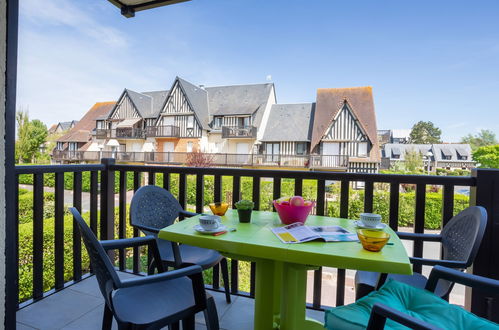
{"x": 299, "y": 233}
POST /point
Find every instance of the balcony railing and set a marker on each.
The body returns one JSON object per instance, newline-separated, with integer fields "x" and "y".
{"x": 229, "y": 132}
{"x": 163, "y": 131}
{"x": 329, "y": 161}
{"x": 210, "y": 159}
{"x": 108, "y": 215}
{"x": 120, "y": 133}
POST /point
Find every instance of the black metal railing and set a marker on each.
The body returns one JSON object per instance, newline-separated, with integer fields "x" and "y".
{"x": 238, "y": 132}
{"x": 163, "y": 131}
{"x": 329, "y": 161}
{"x": 108, "y": 218}
{"x": 121, "y": 133}
{"x": 211, "y": 159}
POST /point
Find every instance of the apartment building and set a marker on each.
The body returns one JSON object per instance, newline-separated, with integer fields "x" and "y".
{"x": 241, "y": 125}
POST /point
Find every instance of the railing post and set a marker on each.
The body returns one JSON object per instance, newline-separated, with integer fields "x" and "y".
{"x": 107, "y": 200}
{"x": 486, "y": 194}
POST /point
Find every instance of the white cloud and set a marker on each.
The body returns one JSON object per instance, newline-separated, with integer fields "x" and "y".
{"x": 71, "y": 55}
{"x": 65, "y": 13}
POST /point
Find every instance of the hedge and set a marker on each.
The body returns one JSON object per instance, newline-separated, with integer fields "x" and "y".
{"x": 26, "y": 253}
{"x": 49, "y": 181}
{"x": 381, "y": 198}
{"x": 407, "y": 202}
{"x": 26, "y": 205}
{"x": 26, "y": 256}
{"x": 266, "y": 189}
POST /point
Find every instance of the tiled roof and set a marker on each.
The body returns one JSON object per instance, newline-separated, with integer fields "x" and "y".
{"x": 81, "y": 131}
{"x": 148, "y": 104}
{"x": 198, "y": 98}
{"x": 331, "y": 100}
{"x": 289, "y": 122}
{"x": 52, "y": 128}
{"x": 452, "y": 150}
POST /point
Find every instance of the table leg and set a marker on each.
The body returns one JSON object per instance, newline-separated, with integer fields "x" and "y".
{"x": 294, "y": 291}
{"x": 267, "y": 294}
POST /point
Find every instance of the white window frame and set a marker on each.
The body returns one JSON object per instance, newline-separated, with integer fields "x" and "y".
{"x": 189, "y": 146}
{"x": 362, "y": 149}
{"x": 217, "y": 122}
{"x": 190, "y": 121}
{"x": 304, "y": 144}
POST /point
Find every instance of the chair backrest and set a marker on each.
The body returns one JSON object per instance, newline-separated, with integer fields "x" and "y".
{"x": 153, "y": 207}
{"x": 101, "y": 265}
{"x": 462, "y": 235}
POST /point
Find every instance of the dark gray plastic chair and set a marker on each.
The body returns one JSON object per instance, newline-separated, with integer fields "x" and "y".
{"x": 149, "y": 302}
{"x": 154, "y": 208}
{"x": 460, "y": 240}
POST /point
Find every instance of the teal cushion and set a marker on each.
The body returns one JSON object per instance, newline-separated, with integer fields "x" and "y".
{"x": 413, "y": 301}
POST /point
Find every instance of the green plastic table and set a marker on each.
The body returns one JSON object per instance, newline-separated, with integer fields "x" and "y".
{"x": 281, "y": 269}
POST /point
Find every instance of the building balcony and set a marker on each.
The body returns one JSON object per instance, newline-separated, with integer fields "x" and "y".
{"x": 163, "y": 131}
{"x": 65, "y": 294}
{"x": 120, "y": 133}
{"x": 211, "y": 159}
{"x": 329, "y": 161}
{"x": 238, "y": 132}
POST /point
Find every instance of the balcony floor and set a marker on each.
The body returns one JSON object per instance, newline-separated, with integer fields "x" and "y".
{"x": 80, "y": 307}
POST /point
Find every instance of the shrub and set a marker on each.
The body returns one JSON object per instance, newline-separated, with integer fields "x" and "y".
{"x": 26, "y": 205}
{"x": 49, "y": 181}
{"x": 26, "y": 256}
{"x": 407, "y": 204}
{"x": 26, "y": 253}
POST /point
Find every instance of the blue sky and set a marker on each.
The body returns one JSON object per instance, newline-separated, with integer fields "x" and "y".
{"x": 426, "y": 60}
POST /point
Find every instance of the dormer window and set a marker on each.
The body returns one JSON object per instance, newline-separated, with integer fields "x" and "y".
{"x": 301, "y": 148}
{"x": 100, "y": 124}
{"x": 446, "y": 154}
{"x": 217, "y": 122}
{"x": 462, "y": 153}
{"x": 243, "y": 121}
{"x": 395, "y": 153}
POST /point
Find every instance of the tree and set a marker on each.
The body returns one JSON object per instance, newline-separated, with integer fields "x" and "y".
{"x": 30, "y": 135}
{"x": 425, "y": 132}
{"x": 413, "y": 160}
{"x": 484, "y": 138}
{"x": 487, "y": 156}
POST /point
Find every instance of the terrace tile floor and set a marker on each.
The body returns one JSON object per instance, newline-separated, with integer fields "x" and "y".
{"x": 80, "y": 306}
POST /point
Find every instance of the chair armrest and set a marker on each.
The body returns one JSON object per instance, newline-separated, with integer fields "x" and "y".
{"x": 147, "y": 228}
{"x": 434, "y": 262}
{"x": 127, "y": 242}
{"x": 474, "y": 281}
{"x": 380, "y": 313}
{"x": 188, "y": 214}
{"x": 419, "y": 237}
{"x": 150, "y": 241}
{"x": 187, "y": 271}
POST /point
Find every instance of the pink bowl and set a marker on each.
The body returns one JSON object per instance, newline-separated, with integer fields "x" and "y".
{"x": 290, "y": 214}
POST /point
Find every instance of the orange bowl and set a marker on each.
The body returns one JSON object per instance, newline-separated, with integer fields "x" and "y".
{"x": 219, "y": 208}
{"x": 373, "y": 240}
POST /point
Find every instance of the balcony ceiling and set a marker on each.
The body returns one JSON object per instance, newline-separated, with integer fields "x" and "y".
{"x": 129, "y": 7}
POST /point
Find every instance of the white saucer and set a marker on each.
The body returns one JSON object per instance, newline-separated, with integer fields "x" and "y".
{"x": 201, "y": 230}
{"x": 380, "y": 226}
